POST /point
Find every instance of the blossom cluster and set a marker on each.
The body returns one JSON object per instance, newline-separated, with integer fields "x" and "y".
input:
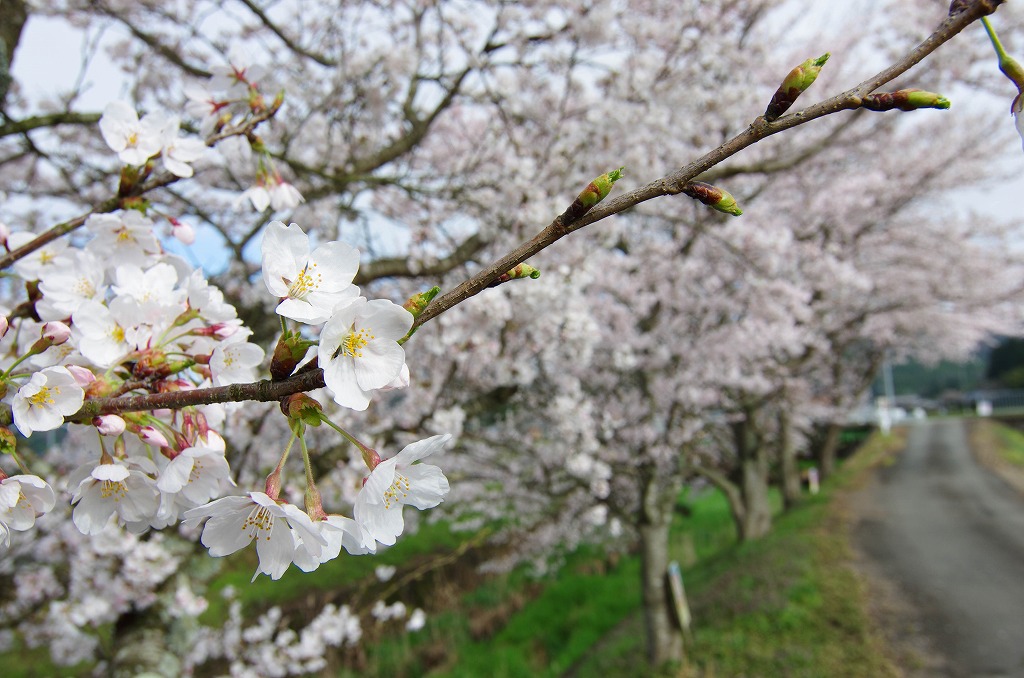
{"x": 360, "y": 353}
{"x": 119, "y": 315}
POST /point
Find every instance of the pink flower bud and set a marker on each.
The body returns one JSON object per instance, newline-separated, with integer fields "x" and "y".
{"x": 151, "y": 436}
{"x": 83, "y": 376}
{"x": 183, "y": 232}
{"x": 109, "y": 424}
{"x": 56, "y": 332}
{"x": 4, "y": 325}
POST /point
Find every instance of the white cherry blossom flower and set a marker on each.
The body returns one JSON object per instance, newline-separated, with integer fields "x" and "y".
{"x": 49, "y": 396}
{"x": 339, "y": 532}
{"x": 67, "y": 286}
{"x": 177, "y": 151}
{"x": 123, "y": 238}
{"x": 312, "y": 284}
{"x": 257, "y": 194}
{"x": 197, "y": 473}
{"x": 234, "y": 522}
{"x": 109, "y": 488}
{"x": 237, "y": 75}
{"x": 23, "y": 498}
{"x": 135, "y": 141}
{"x": 396, "y": 482}
{"x": 417, "y": 620}
{"x": 234, "y": 361}
{"x": 50, "y": 257}
{"x": 104, "y": 334}
{"x": 359, "y": 349}
{"x": 154, "y": 290}
{"x": 283, "y": 195}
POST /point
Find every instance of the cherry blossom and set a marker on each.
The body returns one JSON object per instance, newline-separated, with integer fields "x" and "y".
{"x": 235, "y": 360}
{"x": 234, "y": 522}
{"x": 23, "y": 498}
{"x": 135, "y": 141}
{"x": 176, "y": 151}
{"x": 104, "y": 334}
{"x": 397, "y": 482}
{"x": 339, "y": 532}
{"x": 109, "y": 488}
{"x": 51, "y": 256}
{"x": 122, "y": 238}
{"x": 50, "y": 395}
{"x": 67, "y": 286}
{"x": 197, "y": 473}
{"x": 359, "y": 349}
{"x": 312, "y": 284}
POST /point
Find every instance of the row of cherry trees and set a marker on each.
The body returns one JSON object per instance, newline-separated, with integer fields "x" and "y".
{"x": 664, "y": 343}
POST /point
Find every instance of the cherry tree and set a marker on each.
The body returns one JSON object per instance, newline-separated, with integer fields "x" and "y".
{"x": 436, "y": 138}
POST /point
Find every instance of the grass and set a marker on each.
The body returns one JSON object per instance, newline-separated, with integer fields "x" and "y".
{"x": 1009, "y": 443}
{"x": 784, "y": 605}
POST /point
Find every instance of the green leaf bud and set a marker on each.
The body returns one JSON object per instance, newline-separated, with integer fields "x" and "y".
{"x": 904, "y": 100}
{"x": 595, "y": 192}
{"x": 418, "y": 302}
{"x": 794, "y": 84}
{"x": 714, "y": 197}
{"x": 519, "y": 272}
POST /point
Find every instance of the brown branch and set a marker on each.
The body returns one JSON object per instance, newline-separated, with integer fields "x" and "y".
{"x": 51, "y": 120}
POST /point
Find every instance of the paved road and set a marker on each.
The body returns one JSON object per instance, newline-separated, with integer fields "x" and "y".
{"x": 950, "y": 535}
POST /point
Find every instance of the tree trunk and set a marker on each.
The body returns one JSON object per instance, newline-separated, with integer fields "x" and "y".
{"x": 787, "y": 462}
{"x": 664, "y": 638}
{"x": 756, "y": 518}
{"x": 828, "y": 449}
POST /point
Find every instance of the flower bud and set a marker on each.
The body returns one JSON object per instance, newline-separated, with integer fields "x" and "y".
{"x": 713, "y": 196}
{"x": 109, "y": 425}
{"x": 5, "y": 325}
{"x": 151, "y": 436}
{"x": 794, "y": 84}
{"x": 418, "y": 302}
{"x": 595, "y": 192}
{"x": 517, "y": 273}
{"x": 903, "y": 100}
{"x": 53, "y": 333}
{"x": 56, "y": 332}
{"x": 290, "y": 350}
{"x": 300, "y": 406}
{"x": 272, "y": 488}
{"x": 183, "y": 232}
{"x": 83, "y": 376}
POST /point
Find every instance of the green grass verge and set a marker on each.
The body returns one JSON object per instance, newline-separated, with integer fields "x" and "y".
{"x": 1009, "y": 443}
{"x": 784, "y": 605}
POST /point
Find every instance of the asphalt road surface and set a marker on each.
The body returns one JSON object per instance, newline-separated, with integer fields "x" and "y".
{"x": 948, "y": 534}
